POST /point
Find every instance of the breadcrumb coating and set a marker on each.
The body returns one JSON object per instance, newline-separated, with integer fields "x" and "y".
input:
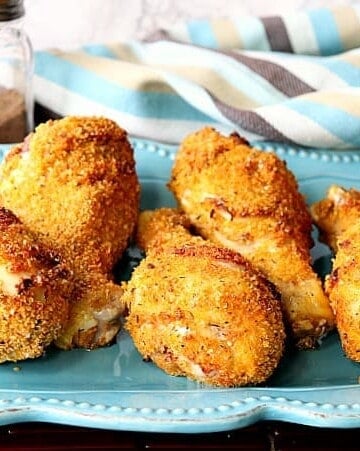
{"x": 166, "y": 225}
{"x": 76, "y": 177}
{"x": 201, "y": 311}
{"x": 336, "y": 213}
{"x": 338, "y": 217}
{"x": 248, "y": 200}
{"x": 73, "y": 182}
{"x": 34, "y": 292}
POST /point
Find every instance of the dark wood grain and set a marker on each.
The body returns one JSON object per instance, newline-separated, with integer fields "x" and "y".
{"x": 265, "y": 436}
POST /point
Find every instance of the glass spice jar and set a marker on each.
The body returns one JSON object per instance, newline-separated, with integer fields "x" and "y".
{"x": 16, "y": 73}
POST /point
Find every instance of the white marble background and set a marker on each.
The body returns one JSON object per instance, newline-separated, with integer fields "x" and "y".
{"x": 72, "y": 23}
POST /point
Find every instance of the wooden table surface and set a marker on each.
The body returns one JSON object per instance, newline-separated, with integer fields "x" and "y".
{"x": 266, "y": 436}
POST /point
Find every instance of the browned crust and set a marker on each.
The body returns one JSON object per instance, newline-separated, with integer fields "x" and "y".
{"x": 199, "y": 310}
{"x": 34, "y": 315}
{"x": 248, "y": 200}
{"x": 73, "y": 182}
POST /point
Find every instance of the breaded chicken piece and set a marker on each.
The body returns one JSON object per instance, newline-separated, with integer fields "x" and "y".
{"x": 338, "y": 217}
{"x": 201, "y": 311}
{"x": 73, "y": 183}
{"x": 247, "y": 200}
{"x": 34, "y": 292}
{"x": 336, "y": 213}
{"x": 157, "y": 227}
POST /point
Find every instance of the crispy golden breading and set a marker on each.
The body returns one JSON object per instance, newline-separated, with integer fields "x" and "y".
{"x": 338, "y": 217}
{"x": 73, "y": 182}
{"x": 336, "y": 213}
{"x": 34, "y": 292}
{"x": 167, "y": 224}
{"x": 247, "y": 200}
{"x": 199, "y": 310}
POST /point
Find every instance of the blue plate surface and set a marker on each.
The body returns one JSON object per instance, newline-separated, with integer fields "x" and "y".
{"x": 112, "y": 388}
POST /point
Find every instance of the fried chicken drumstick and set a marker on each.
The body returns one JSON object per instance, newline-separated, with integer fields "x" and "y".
{"x": 247, "y": 200}
{"x": 34, "y": 291}
{"x": 338, "y": 218}
{"x": 199, "y": 310}
{"x": 73, "y": 183}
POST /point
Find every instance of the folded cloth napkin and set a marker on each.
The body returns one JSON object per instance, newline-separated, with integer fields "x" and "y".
{"x": 293, "y": 79}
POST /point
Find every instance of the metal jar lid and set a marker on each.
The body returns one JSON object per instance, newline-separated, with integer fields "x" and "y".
{"x": 11, "y": 9}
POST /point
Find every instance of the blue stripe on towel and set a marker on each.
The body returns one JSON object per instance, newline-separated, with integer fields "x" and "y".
{"x": 140, "y": 103}
{"x": 340, "y": 123}
{"x": 99, "y": 50}
{"x": 340, "y": 67}
{"x": 201, "y": 33}
{"x": 326, "y": 31}
{"x": 343, "y": 69}
{"x": 252, "y": 33}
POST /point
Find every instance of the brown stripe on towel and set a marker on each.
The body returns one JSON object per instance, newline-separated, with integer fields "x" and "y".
{"x": 251, "y": 121}
{"x": 277, "y": 34}
{"x": 277, "y": 75}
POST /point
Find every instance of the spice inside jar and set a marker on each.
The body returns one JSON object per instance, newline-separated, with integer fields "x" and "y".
{"x": 16, "y": 72}
{"x": 13, "y": 118}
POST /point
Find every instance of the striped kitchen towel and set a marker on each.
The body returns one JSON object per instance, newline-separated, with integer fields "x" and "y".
{"x": 291, "y": 79}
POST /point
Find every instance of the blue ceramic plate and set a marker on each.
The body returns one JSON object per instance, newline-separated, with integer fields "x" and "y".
{"x": 112, "y": 388}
